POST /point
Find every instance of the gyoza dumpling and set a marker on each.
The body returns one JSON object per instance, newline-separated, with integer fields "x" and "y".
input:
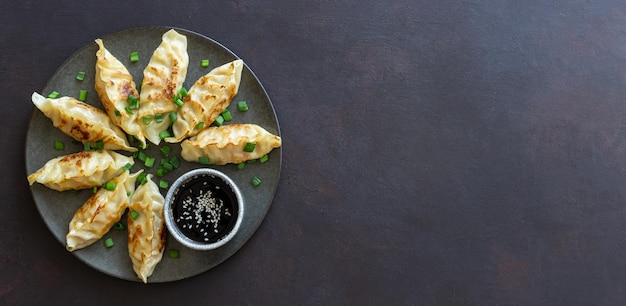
{"x": 146, "y": 224}
{"x": 163, "y": 78}
{"x": 226, "y": 144}
{"x": 114, "y": 84}
{"x": 80, "y": 170}
{"x": 94, "y": 218}
{"x": 206, "y": 99}
{"x": 82, "y": 121}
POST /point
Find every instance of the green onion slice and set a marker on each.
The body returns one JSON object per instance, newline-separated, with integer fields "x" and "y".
{"x": 227, "y": 115}
{"x": 165, "y": 150}
{"x": 264, "y": 158}
{"x": 158, "y": 118}
{"x": 149, "y": 162}
{"x": 242, "y": 106}
{"x": 204, "y": 63}
{"x": 256, "y": 181}
{"x": 241, "y": 165}
{"x": 204, "y": 160}
{"x": 109, "y": 186}
{"x": 134, "y": 214}
{"x": 134, "y": 57}
{"x": 164, "y": 184}
{"x": 119, "y": 226}
{"x": 173, "y": 117}
{"x": 80, "y": 76}
{"x": 108, "y": 243}
{"x": 200, "y": 125}
{"x": 174, "y": 253}
{"x": 127, "y": 166}
{"x": 219, "y": 121}
{"x": 146, "y": 120}
{"x": 82, "y": 95}
{"x": 164, "y": 134}
{"x": 249, "y": 147}
{"x": 53, "y": 95}
{"x": 59, "y": 145}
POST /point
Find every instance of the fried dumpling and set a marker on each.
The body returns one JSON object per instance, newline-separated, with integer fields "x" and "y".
{"x": 98, "y": 214}
{"x": 206, "y": 99}
{"x": 82, "y": 122}
{"x": 114, "y": 84}
{"x": 163, "y": 78}
{"x": 227, "y": 144}
{"x": 146, "y": 228}
{"x": 80, "y": 170}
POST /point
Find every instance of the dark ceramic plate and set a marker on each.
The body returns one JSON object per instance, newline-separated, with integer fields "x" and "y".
{"x": 57, "y": 208}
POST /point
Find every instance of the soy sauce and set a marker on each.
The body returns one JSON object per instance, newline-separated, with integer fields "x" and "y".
{"x": 205, "y": 209}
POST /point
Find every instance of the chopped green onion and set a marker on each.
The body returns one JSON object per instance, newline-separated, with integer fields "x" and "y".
{"x": 242, "y": 106}
{"x": 175, "y": 161}
{"x": 94, "y": 190}
{"x": 87, "y": 146}
{"x": 117, "y": 113}
{"x": 142, "y": 178}
{"x": 53, "y": 95}
{"x": 241, "y": 165}
{"x": 182, "y": 92}
{"x": 164, "y": 134}
{"x": 160, "y": 172}
{"x": 131, "y": 138}
{"x": 204, "y": 160}
{"x": 167, "y": 166}
{"x": 249, "y": 147}
{"x": 82, "y": 96}
{"x": 264, "y": 158}
{"x": 119, "y": 226}
{"x": 164, "y": 184}
{"x": 173, "y": 117}
{"x": 219, "y": 121}
{"x": 179, "y": 102}
{"x": 165, "y": 150}
{"x": 80, "y": 76}
{"x": 256, "y": 181}
{"x": 174, "y": 253}
{"x": 200, "y": 125}
{"x": 158, "y": 118}
{"x": 110, "y": 186}
{"x": 250, "y": 161}
{"x": 99, "y": 145}
{"x": 127, "y": 167}
{"x": 142, "y": 156}
{"x": 133, "y": 102}
{"x": 149, "y": 162}
{"x": 227, "y": 115}
{"x": 128, "y": 193}
{"x": 134, "y": 214}
{"x": 134, "y": 57}
{"x": 146, "y": 120}
{"x": 127, "y": 109}
{"x": 59, "y": 145}
{"x": 204, "y": 63}
{"x": 108, "y": 243}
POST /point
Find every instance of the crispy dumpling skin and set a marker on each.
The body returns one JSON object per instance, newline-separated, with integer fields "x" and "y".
{"x": 80, "y": 170}
{"x": 83, "y": 122}
{"x": 163, "y": 77}
{"x": 225, "y": 144}
{"x": 98, "y": 214}
{"x": 146, "y": 233}
{"x": 114, "y": 84}
{"x": 206, "y": 99}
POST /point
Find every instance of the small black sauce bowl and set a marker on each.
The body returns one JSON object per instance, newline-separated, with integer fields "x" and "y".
{"x": 192, "y": 177}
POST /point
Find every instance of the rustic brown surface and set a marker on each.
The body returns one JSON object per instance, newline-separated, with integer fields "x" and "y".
{"x": 435, "y": 152}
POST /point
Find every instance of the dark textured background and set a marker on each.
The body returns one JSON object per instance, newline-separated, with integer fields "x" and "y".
{"x": 434, "y": 152}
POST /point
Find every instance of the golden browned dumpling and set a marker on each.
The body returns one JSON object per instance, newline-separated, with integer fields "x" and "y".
{"x": 114, "y": 84}
{"x": 163, "y": 78}
{"x": 82, "y": 121}
{"x": 81, "y": 170}
{"x": 206, "y": 99}
{"x": 146, "y": 229}
{"x": 227, "y": 144}
{"x": 98, "y": 214}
